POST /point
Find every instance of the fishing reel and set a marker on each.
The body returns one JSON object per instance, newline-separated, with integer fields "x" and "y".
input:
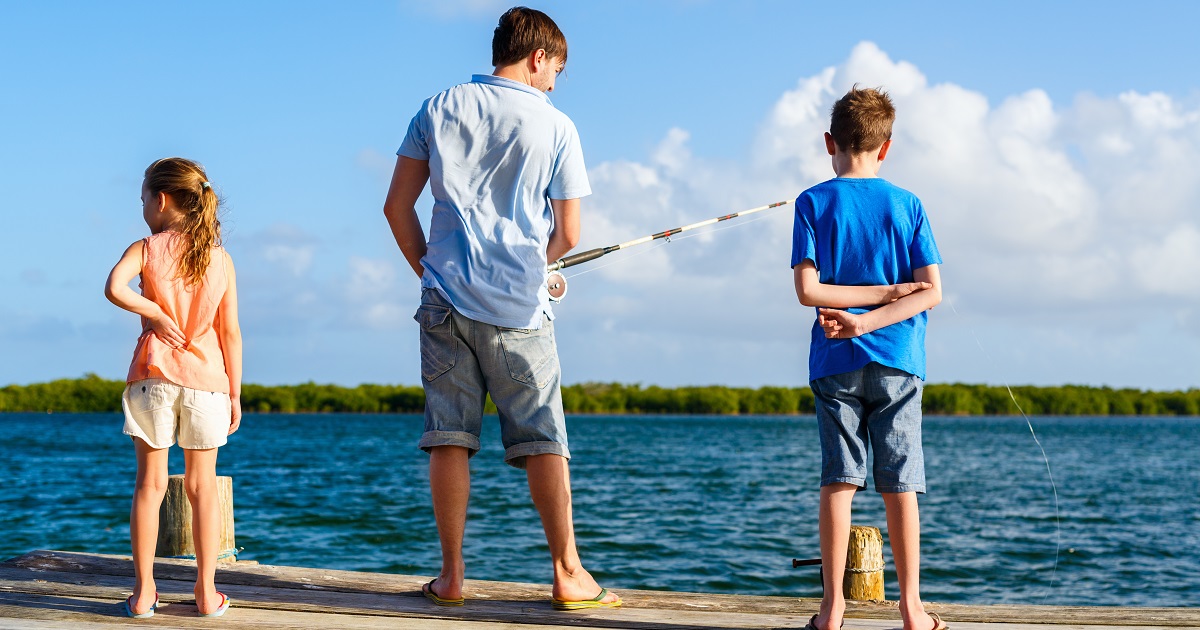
{"x": 556, "y": 284}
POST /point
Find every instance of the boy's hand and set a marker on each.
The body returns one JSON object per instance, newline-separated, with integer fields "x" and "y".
{"x": 842, "y": 324}
{"x": 907, "y": 288}
{"x": 166, "y": 330}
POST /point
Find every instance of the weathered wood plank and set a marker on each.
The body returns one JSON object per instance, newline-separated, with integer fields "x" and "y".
{"x": 274, "y": 589}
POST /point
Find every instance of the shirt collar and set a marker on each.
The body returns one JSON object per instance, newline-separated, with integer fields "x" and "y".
{"x": 491, "y": 79}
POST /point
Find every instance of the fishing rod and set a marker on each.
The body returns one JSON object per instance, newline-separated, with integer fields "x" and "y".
{"x": 557, "y": 283}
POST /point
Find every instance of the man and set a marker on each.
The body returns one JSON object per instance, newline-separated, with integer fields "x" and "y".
{"x": 506, "y": 171}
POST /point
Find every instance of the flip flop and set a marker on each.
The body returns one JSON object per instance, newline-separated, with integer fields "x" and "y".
{"x": 149, "y": 613}
{"x": 938, "y": 624}
{"x": 812, "y": 624}
{"x": 564, "y": 604}
{"x": 427, "y": 591}
{"x": 225, "y": 602}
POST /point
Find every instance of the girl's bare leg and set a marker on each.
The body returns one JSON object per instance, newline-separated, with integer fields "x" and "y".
{"x": 149, "y": 489}
{"x": 200, "y": 480}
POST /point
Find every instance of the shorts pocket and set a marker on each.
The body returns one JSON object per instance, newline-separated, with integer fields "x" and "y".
{"x": 438, "y": 345}
{"x": 531, "y": 354}
{"x": 151, "y": 394}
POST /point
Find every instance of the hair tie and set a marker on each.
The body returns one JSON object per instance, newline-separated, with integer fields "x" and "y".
{"x": 205, "y": 185}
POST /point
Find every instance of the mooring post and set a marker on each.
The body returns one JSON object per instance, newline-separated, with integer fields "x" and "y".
{"x": 175, "y": 521}
{"x": 864, "y": 565}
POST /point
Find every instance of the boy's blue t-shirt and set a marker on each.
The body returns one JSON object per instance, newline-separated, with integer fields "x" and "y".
{"x": 861, "y": 232}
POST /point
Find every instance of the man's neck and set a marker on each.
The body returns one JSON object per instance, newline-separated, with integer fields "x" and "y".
{"x": 516, "y": 72}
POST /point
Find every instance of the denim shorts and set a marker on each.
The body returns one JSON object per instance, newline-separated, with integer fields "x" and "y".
{"x": 463, "y": 360}
{"x": 162, "y": 413}
{"x": 877, "y": 406}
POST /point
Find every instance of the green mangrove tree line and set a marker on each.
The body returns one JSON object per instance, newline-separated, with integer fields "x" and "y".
{"x": 94, "y": 394}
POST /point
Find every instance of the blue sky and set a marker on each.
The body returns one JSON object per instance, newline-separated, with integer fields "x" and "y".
{"x": 1053, "y": 144}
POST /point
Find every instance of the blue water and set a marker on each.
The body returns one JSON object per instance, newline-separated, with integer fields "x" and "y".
{"x": 682, "y": 503}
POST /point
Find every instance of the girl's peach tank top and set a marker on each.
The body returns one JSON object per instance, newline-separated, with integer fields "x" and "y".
{"x": 193, "y": 307}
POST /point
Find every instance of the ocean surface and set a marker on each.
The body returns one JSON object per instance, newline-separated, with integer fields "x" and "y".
{"x": 709, "y": 504}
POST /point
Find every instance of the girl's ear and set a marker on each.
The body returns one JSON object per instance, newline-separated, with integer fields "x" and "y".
{"x": 162, "y": 201}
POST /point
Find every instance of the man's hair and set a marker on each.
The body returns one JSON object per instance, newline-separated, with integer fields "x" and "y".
{"x": 523, "y": 30}
{"x": 862, "y": 120}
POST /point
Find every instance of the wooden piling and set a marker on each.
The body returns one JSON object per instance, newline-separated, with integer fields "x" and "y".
{"x": 175, "y": 521}
{"x": 864, "y": 565}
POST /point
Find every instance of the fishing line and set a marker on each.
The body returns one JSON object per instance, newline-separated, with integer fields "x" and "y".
{"x": 1045, "y": 458}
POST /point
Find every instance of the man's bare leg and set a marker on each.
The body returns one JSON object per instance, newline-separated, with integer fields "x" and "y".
{"x": 834, "y": 524}
{"x": 550, "y": 487}
{"x": 450, "y": 485}
{"x": 904, "y": 532}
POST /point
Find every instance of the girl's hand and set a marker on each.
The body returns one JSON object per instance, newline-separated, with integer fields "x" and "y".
{"x": 235, "y": 416}
{"x": 840, "y": 324}
{"x": 166, "y": 330}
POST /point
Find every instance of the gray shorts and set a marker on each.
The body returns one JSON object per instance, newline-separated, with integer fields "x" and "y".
{"x": 875, "y": 405}
{"x": 463, "y": 360}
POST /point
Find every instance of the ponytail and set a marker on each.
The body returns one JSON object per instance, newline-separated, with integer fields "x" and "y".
{"x": 188, "y": 186}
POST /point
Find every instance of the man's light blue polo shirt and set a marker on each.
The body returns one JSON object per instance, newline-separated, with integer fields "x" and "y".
{"x": 498, "y": 152}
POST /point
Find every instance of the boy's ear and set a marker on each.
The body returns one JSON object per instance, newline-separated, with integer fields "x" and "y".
{"x": 883, "y": 150}
{"x": 830, "y": 145}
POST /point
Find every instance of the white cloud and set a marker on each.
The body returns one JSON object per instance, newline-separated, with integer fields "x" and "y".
{"x": 1040, "y": 209}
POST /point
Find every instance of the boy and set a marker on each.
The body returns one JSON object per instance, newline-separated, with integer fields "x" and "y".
{"x": 506, "y": 172}
{"x": 861, "y": 242}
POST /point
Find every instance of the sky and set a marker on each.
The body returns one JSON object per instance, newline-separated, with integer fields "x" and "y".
{"x": 1053, "y": 144}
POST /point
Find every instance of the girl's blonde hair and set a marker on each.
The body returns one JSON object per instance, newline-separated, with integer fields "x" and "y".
{"x": 188, "y": 186}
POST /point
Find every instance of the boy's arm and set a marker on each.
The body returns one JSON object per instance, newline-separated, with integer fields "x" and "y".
{"x": 117, "y": 290}
{"x": 840, "y": 324}
{"x": 812, "y": 292}
{"x": 231, "y": 344}
{"x": 408, "y": 180}
{"x": 565, "y": 235}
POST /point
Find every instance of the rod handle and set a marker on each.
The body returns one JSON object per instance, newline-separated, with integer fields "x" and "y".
{"x": 562, "y": 263}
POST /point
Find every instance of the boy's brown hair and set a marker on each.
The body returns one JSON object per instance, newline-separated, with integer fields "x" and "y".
{"x": 862, "y": 120}
{"x": 523, "y": 30}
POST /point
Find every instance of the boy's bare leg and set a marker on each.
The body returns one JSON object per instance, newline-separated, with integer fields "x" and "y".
{"x": 550, "y": 487}
{"x": 834, "y": 525}
{"x": 149, "y": 489}
{"x": 200, "y": 482}
{"x": 904, "y": 532}
{"x": 450, "y": 484}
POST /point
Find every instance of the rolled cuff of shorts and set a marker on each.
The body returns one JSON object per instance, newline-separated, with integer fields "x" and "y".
{"x": 466, "y": 440}
{"x": 136, "y": 432}
{"x": 515, "y": 455}
{"x": 861, "y": 482}
{"x": 919, "y": 488}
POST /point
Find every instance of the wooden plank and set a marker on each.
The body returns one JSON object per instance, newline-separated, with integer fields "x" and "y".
{"x": 314, "y": 591}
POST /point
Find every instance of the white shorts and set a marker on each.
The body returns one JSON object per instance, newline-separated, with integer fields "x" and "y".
{"x": 162, "y": 413}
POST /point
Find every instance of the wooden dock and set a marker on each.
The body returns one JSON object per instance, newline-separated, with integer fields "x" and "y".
{"x": 54, "y": 589}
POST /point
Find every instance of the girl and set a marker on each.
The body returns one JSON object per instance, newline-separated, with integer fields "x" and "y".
{"x": 185, "y": 380}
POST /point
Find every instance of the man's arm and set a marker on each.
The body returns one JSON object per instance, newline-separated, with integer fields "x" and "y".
{"x": 812, "y": 292}
{"x": 840, "y": 324}
{"x": 565, "y": 235}
{"x": 408, "y": 180}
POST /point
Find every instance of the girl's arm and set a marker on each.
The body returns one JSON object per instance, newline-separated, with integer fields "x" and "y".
{"x": 231, "y": 343}
{"x": 117, "y": 290}
{"x": 812, "y": 292}
{"x": 844, "y": 325}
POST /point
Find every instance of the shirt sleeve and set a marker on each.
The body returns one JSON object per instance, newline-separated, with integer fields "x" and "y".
{"x": 416, "y": 142}
{"x": 923, "y": 251}
{"x": 570, "y": 179}
{"x": 804, "y": 242}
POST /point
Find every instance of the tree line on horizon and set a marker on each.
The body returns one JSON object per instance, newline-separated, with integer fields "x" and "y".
{"x": 94, "y": 394}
